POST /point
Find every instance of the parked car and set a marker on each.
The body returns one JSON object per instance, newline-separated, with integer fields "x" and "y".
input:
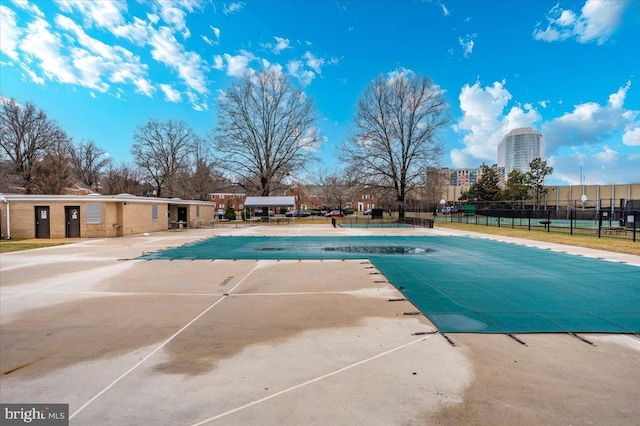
{"x": 297, "y": 213}
{"x": 367, "y": 212}
{"x": 258, "y": 212}
{"x": 334, "y": 213}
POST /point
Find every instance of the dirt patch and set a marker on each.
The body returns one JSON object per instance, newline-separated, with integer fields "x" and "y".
{"x": 557, "y": 379}
{"x": 57, "y": 336}
{"x": 314, "y": 276}
{"x": 240, "y": 321}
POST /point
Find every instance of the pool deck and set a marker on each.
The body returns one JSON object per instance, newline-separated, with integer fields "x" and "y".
{"x": 132, "y": 342}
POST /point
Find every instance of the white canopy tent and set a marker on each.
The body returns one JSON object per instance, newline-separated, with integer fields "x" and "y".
{"x": 267, "y": 203}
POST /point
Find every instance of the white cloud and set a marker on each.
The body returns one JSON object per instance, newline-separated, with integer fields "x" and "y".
{"x": 467, "y": 44}
{"x": 137, "y": 32}
{"x": 189, "y": 65}
{"x": 29, "y": 6}
{"x": 631, "y": 136}
{"x": 484, "y": 122}
{"x": 296, "y": 69}
{"x": 10, "y": 33}
{"x": 175, "y": 18}
{"x": 597, "y": 22}
{"x": 232, "y": 7}
{"x": 207, "y": 40}
{"x": 170, "y": 94}
{"x": 282, "y": 44}
{"x": 237, "y": 66}
{"x": 616, "y": 100}
{"x": 590, "y": 123}
{"x": 105, "y": 14}
{"x": 445, "y": 11}
{"x": 153, "y": 18}
{"x": 41, "y": 44}
{"x": 32, "y": 75}
{"x": 275, "y": 67}
{"x": 218, "y": 62}
{"x": 90, "y": 69}
{"x": 101, "y": 60}
{"x": 216, "y": 32}
{"x": 602, "y": 166}
{"x": 544, "y": 103}
{"x": 314, "y": 62}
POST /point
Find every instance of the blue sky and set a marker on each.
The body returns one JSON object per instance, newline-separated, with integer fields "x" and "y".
{"x": 570, "y": 69}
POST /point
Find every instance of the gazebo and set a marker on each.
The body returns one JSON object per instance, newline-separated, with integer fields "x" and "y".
{"x": 267, "y": 203}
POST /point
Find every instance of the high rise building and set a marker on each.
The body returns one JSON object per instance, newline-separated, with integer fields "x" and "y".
{"x": 469, "y": 176}
{"x": 518, "y": 148}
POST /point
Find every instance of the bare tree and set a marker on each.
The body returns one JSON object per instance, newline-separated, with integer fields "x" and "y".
{"x": 161, "y": 149}
{"x": 26, "y": 135}
{"x": 54, "y": 174}
{"x": 338, "y": 188}
{"x": 265, "y": 131}
{"x": 89, "y": 163}
{"x": 434, "y": 186}
{"x": 122, "y": 179}
{"x": 196, "y": 181}
{"x": 395, "y": 135}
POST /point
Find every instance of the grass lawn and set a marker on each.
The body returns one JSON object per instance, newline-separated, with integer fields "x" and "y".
{"x": 7, "y": 246}
{"x": 588, "y": 241}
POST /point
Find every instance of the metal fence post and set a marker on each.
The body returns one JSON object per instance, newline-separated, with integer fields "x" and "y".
{"x": 571, "y": 215}
{"x": 548, "y": 221}
{"x": 599, "y": 222}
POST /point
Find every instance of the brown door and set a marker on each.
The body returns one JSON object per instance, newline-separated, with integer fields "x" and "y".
{"x": 182, "y": 214}
{"x": 72, "y": 217}
{"x": 43, "y": 229}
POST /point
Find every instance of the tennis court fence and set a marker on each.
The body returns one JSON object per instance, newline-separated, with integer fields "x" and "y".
{"x": 600, "y": 223}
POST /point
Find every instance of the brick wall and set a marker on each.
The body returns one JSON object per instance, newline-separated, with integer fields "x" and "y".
{"x": 117, "y": 218}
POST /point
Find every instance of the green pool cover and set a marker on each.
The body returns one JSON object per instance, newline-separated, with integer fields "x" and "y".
{"x": 468, "y": 285}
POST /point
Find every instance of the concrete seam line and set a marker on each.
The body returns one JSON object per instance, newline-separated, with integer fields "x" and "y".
{"x": 126, "y": 373}
{"x": 300, "y": 385}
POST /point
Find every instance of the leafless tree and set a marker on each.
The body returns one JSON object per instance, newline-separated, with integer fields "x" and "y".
{"x": 26, "y": 135}
{"x": 53, "y": 174}
{"x": 161, "y": 149}
{"x": 89, "y": 163}
{"x": 10, "y": 181}
{"x": 395, "y": 132}
{"x": 196, "y": 181}
{"x": 434, "y": 187}
{"x": 122, "y": 179}
{"x": 338, "y": 187}
{"x": 265, "y": 131}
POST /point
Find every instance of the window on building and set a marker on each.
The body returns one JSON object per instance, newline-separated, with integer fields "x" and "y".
{"x": 197, "y": 211}
{"x": 154, "y": 212}
{"x": 94, "y": 213}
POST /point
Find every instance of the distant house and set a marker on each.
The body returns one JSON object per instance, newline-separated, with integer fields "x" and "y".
{"x": 221, "y": 200}
{"x": 315, "y": 197}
